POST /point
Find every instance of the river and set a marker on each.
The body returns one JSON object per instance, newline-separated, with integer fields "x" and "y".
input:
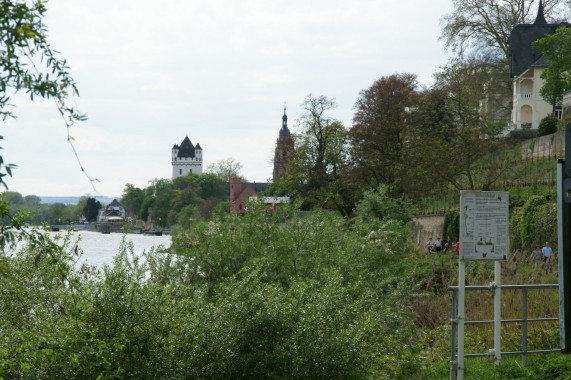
{"x": 99, "y": 249}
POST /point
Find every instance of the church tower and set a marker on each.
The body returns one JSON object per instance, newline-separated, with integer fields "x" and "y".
{"x": 284, "y": 148}
{"x": 186, "y": 159}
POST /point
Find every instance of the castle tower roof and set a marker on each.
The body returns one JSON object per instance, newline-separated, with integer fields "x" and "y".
{"x": 186, "y": 148}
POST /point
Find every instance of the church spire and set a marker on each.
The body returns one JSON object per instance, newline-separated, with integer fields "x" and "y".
{"x": 540, "y": 19}
{"x": 284, "y": 131}
{"x": 284, "y": 148}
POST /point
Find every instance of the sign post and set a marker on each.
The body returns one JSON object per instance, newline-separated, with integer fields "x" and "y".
{"x": 483, "y": 236}
{"x": 564, "y": 242}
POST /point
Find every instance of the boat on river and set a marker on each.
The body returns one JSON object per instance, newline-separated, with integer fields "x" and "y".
{"x": 153, "y": 233}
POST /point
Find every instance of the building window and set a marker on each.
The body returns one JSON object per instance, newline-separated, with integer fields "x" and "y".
{"x": 558, "y": 113}
{"x": 179, "y": 171}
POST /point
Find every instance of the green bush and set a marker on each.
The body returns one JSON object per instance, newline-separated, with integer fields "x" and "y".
{"x": 264, "y": 295}
{"x": 527, "y": 223}
{"x": 452, "y": 224}
{"x": 378, "y": 205}
{"x": 547, "y": 125}
{"x": 544, "y": 225}
{"x": 514, "y": 231}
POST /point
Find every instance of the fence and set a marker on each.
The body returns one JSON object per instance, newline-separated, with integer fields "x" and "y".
{"x": 524, "y": 321}
{"x": 503, "y": 172}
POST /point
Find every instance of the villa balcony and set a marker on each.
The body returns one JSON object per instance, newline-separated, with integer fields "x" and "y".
{"x": 528, "y": 126}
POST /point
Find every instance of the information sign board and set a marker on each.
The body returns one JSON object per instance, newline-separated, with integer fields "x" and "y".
{"x": 484, "y": 225}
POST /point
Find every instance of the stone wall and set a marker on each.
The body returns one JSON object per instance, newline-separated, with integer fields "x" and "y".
{"x": 544, "y": 146}
{"x": 424, "y": 227}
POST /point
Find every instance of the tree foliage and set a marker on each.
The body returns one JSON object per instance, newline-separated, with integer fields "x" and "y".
{"x": 452, "y": 224}
{"x": 485, "y": 25}
{"x": 480, "y": 29}
{"x": 28, "y": 63}
{"x": 242, "y": 297}
{"x": 226, "y": 168}
{"x": 91, "y": 209}
{"x": 181, "y": 201}
{"x": 528, "y": 215}
{"x": 318, "y": 162}
{"x": 133, "y": 197}
{"x": 547, "y": 125}
{"x": 449, "y": 136}
{"x": 379, "y": 206}
{"x": 557, "y": 53}
{"x": 378, "y": 133}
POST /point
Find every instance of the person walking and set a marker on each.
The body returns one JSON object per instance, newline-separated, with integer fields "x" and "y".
{"x": 547, "y": 252}
{"x": 536, "y": 256}
{"x": 429, "y": 245}
{"x": 444, "y": 244}
{"x": 438, "y": 245}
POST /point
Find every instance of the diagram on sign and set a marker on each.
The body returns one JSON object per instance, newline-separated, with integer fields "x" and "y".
{"x": 483, "y": 225}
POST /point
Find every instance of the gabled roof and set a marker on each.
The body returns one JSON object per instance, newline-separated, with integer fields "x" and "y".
{"x": 198, "y": 146}
{"x": 540, "y": 63}
{"x": 115, "y": 203}
{"x": 521, "y": 52}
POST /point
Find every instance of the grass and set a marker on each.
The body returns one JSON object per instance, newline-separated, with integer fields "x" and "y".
{"x": 433, "y": 274}
{"x": 544, "y": 366}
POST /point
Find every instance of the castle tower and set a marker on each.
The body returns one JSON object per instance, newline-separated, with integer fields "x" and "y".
{"x": 284, "y": 148}
{"x": 186, "y": 159}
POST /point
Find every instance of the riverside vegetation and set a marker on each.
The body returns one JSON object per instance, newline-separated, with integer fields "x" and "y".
{"x": 284, "y": 295}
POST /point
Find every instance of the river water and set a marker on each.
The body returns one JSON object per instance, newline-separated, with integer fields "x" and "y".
{"x": 99, "y": 249}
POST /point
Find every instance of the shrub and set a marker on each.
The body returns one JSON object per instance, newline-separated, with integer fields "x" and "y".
{"x": 452, "y": 224}
{"x": 547, "y": 126}
{"x": 544, "y": 225}
{"x": 379, "y": 205}
{"x": 514, "y": 232}
{"x": 527, "y": 223}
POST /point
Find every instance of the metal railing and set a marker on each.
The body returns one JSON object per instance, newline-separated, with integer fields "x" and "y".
{"x": 523, "y": 320}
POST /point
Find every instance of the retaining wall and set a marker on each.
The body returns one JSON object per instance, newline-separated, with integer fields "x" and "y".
{"x": 544, "y": 146}
{"x": 424, "y": 227}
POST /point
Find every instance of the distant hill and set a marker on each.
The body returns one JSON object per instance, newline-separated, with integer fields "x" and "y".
{"x": 75, "y": 200}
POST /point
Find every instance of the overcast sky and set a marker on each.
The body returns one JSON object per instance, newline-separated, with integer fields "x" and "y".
{"x": 152, "y": 72}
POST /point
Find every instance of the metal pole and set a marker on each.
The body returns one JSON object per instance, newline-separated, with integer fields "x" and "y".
{"x": 497, "y": 311}
{"x": 524, "y": 326}
{"x": 461, "y": 301}
{"x": 453, "y": 339}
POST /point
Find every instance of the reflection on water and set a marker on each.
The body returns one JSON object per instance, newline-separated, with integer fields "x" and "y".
{"x": 99, "y": 249}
